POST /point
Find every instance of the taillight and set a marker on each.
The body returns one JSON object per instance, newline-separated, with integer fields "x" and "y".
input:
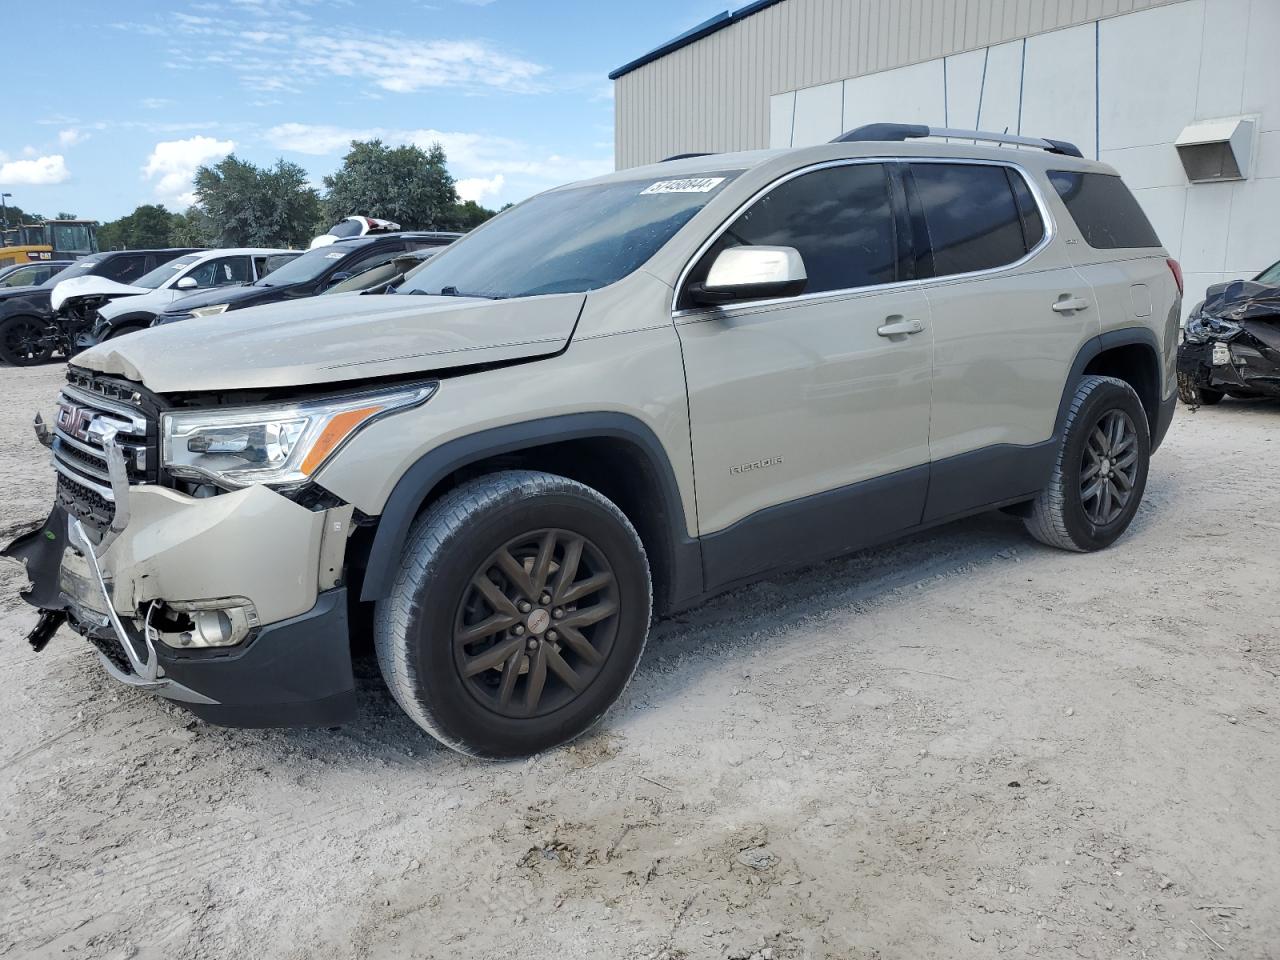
{"x": 1176, "y": 269}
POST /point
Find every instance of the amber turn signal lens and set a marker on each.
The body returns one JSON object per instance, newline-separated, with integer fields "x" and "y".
{"x": 335, "y": 431}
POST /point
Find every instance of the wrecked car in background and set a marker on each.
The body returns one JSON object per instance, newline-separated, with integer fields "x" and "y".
{"x": 1231, "y": 343}
{"x": 310, "y": 275}
{"x": 89, "y": 310}
{"x": 28, "y": 333}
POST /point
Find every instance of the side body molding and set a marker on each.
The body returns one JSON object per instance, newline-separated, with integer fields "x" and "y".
{"x": 683, "y": 560}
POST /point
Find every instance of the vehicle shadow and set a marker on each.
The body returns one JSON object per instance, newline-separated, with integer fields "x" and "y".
{"x": 723, "y": 629}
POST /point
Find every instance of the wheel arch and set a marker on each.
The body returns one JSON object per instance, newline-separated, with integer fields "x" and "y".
{"x": 1132, "y": 355}
{"x": 139, "y": 318}
{"x": 614, "y": 453}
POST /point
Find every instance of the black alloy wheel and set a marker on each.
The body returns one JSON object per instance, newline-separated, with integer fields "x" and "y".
{"x": 536, "y": 623}
{"x": 1109, "y": 468}
{"x": 22, "y": 342}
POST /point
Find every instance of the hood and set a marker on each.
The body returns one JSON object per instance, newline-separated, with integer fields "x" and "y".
{"x": 147, "y": 301}
{"x": 205, "y": 298}
{"x": 1241, "y": 300}
{"x": 335, "y": 339}
{"x": 78, "y": 287}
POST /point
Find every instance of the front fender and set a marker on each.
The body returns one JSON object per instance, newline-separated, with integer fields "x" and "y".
{"x": 416, "y": 484}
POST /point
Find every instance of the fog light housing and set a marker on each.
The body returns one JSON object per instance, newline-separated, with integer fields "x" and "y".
{"x": 201, "y": 624}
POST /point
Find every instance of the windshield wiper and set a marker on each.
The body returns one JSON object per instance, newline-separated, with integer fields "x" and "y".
{"x": 451, "y": 292}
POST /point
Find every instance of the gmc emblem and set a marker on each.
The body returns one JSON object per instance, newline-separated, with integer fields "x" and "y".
{"x": 74, "y": 421}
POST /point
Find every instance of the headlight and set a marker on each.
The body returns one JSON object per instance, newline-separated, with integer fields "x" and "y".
{"x": 210, "y": 311}
{"x": 279, "y": 445}
{"x": 1202, "y": 328}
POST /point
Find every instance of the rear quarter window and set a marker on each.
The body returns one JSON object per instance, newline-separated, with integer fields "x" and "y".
{"x": 1107, "y": 214}
{"x": 975, "y": 217}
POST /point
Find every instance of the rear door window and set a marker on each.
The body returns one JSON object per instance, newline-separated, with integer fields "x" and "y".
{"x": 375, "y": 258}
{"x": 840, "y": 219}
{"x": 1107, "y": 214}
{"x": 125, "y": 268}
{"x": 973, "y": 216}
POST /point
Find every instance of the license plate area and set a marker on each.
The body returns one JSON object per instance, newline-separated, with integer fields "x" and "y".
{"x": 1221, "y": 354}
{"x": 78, "y": 586}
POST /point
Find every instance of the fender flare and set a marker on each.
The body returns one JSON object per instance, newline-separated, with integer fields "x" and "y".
{"x": 1126, "y": 337}
{"x": 416, "y": 484}
{"x": 138, "y": 318}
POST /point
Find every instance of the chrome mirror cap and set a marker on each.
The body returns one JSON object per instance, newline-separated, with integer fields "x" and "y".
{"x": 751, "y": 272}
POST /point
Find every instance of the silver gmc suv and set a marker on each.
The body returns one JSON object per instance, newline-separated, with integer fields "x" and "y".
{"x": 609, "y": 402}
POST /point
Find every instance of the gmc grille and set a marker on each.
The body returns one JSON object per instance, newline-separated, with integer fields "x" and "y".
{"x": 84, "y": 485}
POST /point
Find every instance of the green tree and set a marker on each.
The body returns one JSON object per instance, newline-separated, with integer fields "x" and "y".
{"x": 63, "y": 215}
{"x": 467, "y": 216}
{"x": 250, "y": 206}
{"x": 192, "y": 229}
{"x": 407, "y": 185}
{"x": 148, "y": 227}
{"x": 16, "y": 216}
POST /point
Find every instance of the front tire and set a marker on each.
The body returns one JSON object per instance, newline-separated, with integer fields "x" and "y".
{"x": 1101, "y": 470}
{"x": 518, "y": 616}
{"x": 21, "y": 342}
{"x": 1192, "y": 394}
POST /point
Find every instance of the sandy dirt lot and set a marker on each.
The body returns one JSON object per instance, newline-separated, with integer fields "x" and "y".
{"x": 964, "y": 745}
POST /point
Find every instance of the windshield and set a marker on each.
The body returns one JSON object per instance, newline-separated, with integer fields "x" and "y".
{"x": 568, "y": 241}
{"x": 165, "y": 272}
{"x": 346, "y": 228}
{"x": 71, "y": 236}
{"x": 309, "y": 266}
{"x": 77, "y": 269}
{"x": 1270, "y": 276}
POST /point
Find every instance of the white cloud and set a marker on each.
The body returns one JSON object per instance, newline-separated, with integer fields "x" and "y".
{"x": 38, "y": 172}
{"x": 477, "y": 188}
{"x": 71, "y": 136}
{"x": 318, "y": 139}
{"x": 276, "y": 47}
{"x": 174, "y": 163}
{"x": 471, "y": 156}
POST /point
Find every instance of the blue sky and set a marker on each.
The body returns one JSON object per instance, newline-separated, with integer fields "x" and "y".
{"x": 137, "y": 93}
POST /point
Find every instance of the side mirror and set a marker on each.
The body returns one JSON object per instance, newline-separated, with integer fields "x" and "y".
{"x": 338, "y": 277}
{"x": 187, "y": 283}
{"x": 751, "y": 273}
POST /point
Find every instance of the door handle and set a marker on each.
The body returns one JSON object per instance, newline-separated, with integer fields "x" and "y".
{"x": 898, "y": 327}
{"x": 1069, "y": 304}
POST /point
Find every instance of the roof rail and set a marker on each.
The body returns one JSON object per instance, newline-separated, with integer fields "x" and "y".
{"x": 913, "y": 131}
{"x": 684, "y": 156}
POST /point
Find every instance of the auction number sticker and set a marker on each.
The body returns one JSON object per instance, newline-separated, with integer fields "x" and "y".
{"x": 688, "y": 185}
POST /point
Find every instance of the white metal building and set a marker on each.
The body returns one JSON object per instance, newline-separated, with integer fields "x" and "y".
{"x": 1181, "y": 96}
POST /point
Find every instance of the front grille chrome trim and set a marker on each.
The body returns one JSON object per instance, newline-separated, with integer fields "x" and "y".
{"x": 86, "y": 482}
{"x": 136, "y": 422}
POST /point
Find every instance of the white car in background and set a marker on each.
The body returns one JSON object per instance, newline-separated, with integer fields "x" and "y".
{"x": 101, "y": 309}
{"x": 354, "y": 227}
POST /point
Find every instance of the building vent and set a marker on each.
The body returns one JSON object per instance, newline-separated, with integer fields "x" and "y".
{"x": 1215, "y": 150}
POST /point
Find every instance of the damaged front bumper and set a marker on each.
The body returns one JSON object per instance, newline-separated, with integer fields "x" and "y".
{"x": 1242, "y": 366}
{"x": 284, "y": 658}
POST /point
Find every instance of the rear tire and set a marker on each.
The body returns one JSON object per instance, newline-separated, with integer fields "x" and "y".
{"x": 1101, "y": 471}
{"x": 20, "y": 344}
{"x": 1192, "y": 394}
{"x": 518, "y": 616}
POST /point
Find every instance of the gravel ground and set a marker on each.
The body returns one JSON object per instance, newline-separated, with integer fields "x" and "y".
{"x": 958, "y": 746}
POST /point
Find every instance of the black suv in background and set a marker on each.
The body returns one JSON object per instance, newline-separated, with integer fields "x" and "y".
{"x": 312, "y": 273}
{"x": 27, "y": 332}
